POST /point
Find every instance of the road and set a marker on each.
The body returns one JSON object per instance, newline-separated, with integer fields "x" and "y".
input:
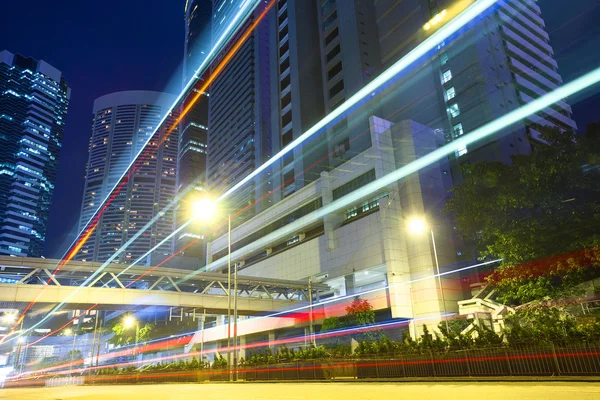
{"x": 313, "y": 391}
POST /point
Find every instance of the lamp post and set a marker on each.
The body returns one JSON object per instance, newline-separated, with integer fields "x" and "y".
{"x": 206, "y": 209}
{"x": 69, "y": 332}
{"x": 129, "y": 322}
{"x": 418, "y": 226}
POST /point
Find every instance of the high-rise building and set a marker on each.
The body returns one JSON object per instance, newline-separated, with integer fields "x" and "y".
{"x": 191, "y": 168}
{"x": 34, "y": 98}
{"x": 500, "y": 62}
{"x": 297, "y": 105}
{"x": 122, "y": 123}
{"x": 503, "y": 61}
{"x": 349, "y": 51}
{"x": 239, "y": 138}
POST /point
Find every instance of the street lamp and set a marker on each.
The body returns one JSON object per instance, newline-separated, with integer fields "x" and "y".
{"x": 9, "y": 318}
{"x": 130, "y": 322}
{"x": 206, "y": 209}
{"x": 416, "y": 226}
{"x": 69, "y": 332}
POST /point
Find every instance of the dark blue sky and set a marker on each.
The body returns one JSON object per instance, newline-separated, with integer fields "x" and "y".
{"x": 100, "y": 47}
{"x": 113, "y": 45}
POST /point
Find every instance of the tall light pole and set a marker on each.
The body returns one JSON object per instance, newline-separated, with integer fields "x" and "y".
{"x": 229, "y": 294}
{"x": 417, "y": 226}
{"x": 206, "y": 209}
{"x": 69, "y": 332}
{"x": 235, "y": 320}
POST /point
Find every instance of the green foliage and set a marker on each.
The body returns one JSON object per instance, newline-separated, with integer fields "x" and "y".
{"x": 283, "y": 355}
{"x": 542, "y": 205}
{"x": 360, "y": 312}
{"x": 74, "y": 355}
{"x": 332, "y": 323}
{"x": 147, "y": 331}
{"x": 548, "y": 324}
{"x": 219, "y": 362}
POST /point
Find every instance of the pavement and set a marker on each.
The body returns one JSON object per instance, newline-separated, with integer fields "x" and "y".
{"x": 314, "y": 391}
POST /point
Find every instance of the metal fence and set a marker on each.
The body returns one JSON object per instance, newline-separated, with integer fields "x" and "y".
{"x": 541, "y": 360}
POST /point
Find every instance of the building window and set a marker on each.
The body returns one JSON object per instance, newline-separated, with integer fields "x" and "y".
{"x": 331, "y": 37}
{"x": 327, "y": 6}
{"x": 462, "y": 151}
{"x": 450, "y": 93}
{"x": 458, "y": 130}
{"x": 335, "y": 89}
{"x": 334, "y": 52}
{"x": 334, "y": 71}
{"x": 446, "y": 76}
{"x": 354, "y": 184}
{"x": 454, "y": 110}
{"x": 341, "y": 148}
{"x": 330, "y": 20}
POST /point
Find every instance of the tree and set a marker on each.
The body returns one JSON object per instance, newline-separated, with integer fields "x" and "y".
{"x": 360, "y": 312}
{"x": 541, "y": 214}
{"x": 147, "y": 331}
{"x": 331, "y": 324}
{"x": 74, "y": 355}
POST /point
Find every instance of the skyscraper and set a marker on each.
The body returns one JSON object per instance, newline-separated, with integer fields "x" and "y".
{"x": 34, "y": 98}
{"x": 503, "y": 61}
{"x": 191, "y": 168}
{"x": 298, "y": 103}
{"x": 122, "y": 123}
{"x": 239, "y": 138}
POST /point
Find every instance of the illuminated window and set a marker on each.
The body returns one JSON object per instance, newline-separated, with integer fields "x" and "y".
{"x": 444, "y": 58}
{"x": 458, "y": 130}
{"x": 462, "y": 151}
{"x": 450, "y": 93}
{"x": 454, "y": 110}
{"x": 446, "y": 76}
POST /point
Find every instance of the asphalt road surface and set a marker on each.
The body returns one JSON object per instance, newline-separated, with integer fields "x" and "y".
{"x": 313, "y": 391}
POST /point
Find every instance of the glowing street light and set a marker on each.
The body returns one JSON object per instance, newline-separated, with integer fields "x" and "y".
{"x": 129, "y": 322}
{"x": 204, "y": 209}
{"x": 68, "y": 332}
{"x": 417, "y": 226}
{"x": 10, "y": 318}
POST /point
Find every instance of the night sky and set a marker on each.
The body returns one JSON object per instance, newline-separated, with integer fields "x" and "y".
{"x": 114, "y": 45}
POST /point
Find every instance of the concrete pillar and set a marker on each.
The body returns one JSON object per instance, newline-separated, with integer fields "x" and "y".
{"x": 272, "y": 341}
{"x": 242, "y": 347}
{"x": 349, "y": 281}
{"x": 331, "y": 221}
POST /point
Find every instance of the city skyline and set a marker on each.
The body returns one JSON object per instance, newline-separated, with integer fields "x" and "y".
{"x": 315, "y": 189}
{"x": 561, "y": 26}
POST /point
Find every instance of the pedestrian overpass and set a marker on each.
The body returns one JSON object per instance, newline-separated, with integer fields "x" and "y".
{"x": 25, "y": 280}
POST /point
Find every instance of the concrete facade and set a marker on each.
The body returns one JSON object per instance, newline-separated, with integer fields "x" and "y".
{"x": 366, "y": 246}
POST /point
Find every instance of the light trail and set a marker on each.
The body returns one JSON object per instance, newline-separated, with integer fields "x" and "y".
{"x": 329, "y": 364}
{"x": 429, "y": 44}
{"x": 535, "y": 106}
{"x": 403, "y": 64}
{"x": 321, "y": 303}
{"x": 215, "y": 73}
{"x": 264, "y": 343}
{"x": 245, "y": 10}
